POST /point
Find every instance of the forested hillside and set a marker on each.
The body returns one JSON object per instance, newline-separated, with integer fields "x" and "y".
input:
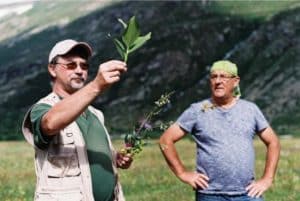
{"x": 187, "y": 37}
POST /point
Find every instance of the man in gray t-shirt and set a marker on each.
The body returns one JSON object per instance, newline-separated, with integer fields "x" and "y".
{"x": 223, "y": 128}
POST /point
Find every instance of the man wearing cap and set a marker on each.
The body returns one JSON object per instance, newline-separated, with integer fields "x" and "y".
{"x": 74, "y": 157}
{"x": 223, "y": 128}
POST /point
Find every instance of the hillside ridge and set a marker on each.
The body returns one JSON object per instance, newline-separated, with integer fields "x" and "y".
{"x": 186, "y": 40}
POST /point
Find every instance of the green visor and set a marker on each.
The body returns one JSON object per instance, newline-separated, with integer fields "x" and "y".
{"x": 229, "y": 67}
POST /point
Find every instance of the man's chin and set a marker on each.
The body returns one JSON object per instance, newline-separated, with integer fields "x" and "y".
{"x": 77, "y": 86}
{"x": 219, "y": 94}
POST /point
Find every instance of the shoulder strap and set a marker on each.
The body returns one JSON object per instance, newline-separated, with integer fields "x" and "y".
{"x": 26, "y": 127}
{"x": 51, "y": 99}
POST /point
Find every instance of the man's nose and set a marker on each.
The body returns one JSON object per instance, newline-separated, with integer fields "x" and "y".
{"x": 78, "y": 69}
{"x": 219, "y": 79}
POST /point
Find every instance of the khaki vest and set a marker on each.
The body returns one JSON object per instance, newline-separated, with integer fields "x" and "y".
{"x": 62, "y": 170}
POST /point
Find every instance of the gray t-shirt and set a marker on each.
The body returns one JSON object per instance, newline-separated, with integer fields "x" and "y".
{"x": 224, "y": 139}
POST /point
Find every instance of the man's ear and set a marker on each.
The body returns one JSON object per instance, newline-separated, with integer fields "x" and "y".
{"x": 51, "y": 70}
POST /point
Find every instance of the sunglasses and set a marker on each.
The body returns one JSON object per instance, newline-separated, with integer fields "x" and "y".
{"x": 222, "y": 77}
{"x": 73, "y": 65}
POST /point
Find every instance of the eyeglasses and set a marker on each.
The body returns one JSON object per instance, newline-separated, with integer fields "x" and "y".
{"x": 73, "y": 65}
{"x": 222, "y": 77}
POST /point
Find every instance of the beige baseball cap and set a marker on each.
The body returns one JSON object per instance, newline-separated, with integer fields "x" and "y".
{"x": 64, "y": 46}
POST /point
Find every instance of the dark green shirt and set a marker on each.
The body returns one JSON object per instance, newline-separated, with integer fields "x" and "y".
{"x": 98, "y": 151}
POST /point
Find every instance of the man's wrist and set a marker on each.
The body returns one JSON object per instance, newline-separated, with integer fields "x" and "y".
{"x": 180, "y": 172}
{"x": 268, "y": 178}
{"x": 94, "y": 87}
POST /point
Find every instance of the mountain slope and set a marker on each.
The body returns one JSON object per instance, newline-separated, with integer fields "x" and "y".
{"x": 186, "y": 38}
{"x": 270, "y": 64}
{"x": 44, "y": 14}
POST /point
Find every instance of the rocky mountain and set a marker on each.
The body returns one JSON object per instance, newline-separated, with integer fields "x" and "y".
{"x": 270, "y": 68}
{"x": 187, "y": 37}
{"x": 40, "y": 15}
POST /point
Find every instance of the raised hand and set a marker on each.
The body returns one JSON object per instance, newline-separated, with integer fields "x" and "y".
{"x": 109, "y": 73}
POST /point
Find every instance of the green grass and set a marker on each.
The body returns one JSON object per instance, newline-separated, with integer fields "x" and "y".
{"x": 17, "y": 178}
{"x": 149, "y": 177}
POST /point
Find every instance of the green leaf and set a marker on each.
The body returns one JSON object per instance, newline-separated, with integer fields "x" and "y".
{"x": 139, "y": 42}
{"x": 131, "y": 33}
{"x": 120, "y": 47}
{"x": 130, "y": 38}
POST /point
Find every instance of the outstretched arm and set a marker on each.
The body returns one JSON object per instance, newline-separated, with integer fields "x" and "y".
{"x": 257, "y": 188}
{"x": 167, "y": 145}
{"x": 67, "y": 110}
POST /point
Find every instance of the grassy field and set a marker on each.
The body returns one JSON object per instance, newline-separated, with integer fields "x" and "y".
{"x": 149, "y": 178}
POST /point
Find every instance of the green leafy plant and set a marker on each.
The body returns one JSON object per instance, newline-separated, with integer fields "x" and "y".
{"x": 130, "y": 39}
{"x": 135, "y": 141}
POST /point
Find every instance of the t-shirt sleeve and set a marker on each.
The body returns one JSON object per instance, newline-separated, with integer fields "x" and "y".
{"x": 40, "y": 140}
{"x": 187, "y": 119}
{"x": 260, "y": 120}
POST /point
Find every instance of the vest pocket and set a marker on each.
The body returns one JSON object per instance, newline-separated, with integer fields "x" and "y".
{"x": 63, "y": 162}
{"x": 61, "y": 195}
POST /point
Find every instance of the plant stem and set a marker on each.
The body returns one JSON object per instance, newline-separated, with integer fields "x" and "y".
{"x": 149, "y": 116}
{"x": 126, "y": 56}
